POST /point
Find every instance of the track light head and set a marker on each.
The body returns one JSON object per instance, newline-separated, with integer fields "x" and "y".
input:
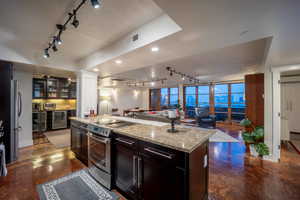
{"x": 95, "y": 3}
{"x": 46, "y": 53}
{"x": 171, "y": 73}
{"x": 54, "y": 48}
{"x": 168, "y": 68}
{"x": 75, "y": 22}
{"x": 58, "y": 40}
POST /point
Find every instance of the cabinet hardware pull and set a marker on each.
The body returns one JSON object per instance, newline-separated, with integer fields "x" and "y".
{"x": 139, "y": 172}
{"x": 169, "y": 156}
{"x": 105, "y": 141}
{"x": 124, "y": 141}
{"x": 134, "y": 171}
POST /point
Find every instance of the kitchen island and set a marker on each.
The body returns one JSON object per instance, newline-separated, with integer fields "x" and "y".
{"x": 147, "y": 162}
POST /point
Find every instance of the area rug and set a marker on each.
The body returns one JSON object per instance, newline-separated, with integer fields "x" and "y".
{"x": 221, "y": 136}
{"x": 76, "y": 186}
{"x": 59, "y": 139}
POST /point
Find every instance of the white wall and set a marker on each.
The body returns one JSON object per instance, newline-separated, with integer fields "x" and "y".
{"x": 87, "y": 95}
{"x": 290, "y": 106}
{"x": 123, "y": 98}
{"x": 25, "y": 120}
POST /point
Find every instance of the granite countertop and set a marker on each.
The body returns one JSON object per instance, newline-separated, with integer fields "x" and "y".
{"x": 186, "y": 140}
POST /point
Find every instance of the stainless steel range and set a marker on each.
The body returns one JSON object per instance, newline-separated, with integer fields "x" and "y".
{"x": 99, "y": 149}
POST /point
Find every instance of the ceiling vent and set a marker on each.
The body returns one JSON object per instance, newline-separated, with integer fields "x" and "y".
{"x": 135, "y": 37}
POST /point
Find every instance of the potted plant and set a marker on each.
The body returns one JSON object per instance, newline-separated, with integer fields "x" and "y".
{"x": 254, "y": 136}
{"x": 179, "y": 111}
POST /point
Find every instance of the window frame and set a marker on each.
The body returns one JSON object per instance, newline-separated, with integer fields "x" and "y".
{"x": 212, "y": 97}
{"x": 169, "y": 97}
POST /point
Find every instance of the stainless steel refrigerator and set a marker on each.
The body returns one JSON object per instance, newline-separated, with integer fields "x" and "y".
{"x": 10, "y": 110}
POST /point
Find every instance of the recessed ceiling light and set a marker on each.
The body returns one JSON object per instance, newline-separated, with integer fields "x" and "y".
{"x": 96, "y": 70}
{"x": 155, "y": 49}
{"x": 118, "y": 61}
{"x": 152, "y": 83}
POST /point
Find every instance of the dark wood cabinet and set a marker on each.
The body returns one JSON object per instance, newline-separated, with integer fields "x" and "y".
{"x": 53, "y": 88}
{"x": 146, "y": 171}
{"x": 64, "y": 88}
{"x": 72, "y": 91}
{"x": 79, "y": 141}
{"x": 154, "y": 99}
{"x": 125, "y": 166}
{"x": 39, "y": 90}
{"x": 163, "y": 169}
{"x": 254, "y": 92}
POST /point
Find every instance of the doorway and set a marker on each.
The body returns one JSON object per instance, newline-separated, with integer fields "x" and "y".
{"x": 285, "y": 106}
{"x": 290, "y": 108}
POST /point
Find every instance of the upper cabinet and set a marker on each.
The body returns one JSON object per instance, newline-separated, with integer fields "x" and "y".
{"x": 72, "y": 91}
{"x": 64, "y": 88}
{"x": 39, "y": 88}
{"x": 53, "y": 88}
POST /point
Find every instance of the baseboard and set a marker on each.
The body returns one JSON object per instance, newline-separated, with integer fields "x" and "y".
{"x": 25, "y": 143}
{"x": 271, "y": 158}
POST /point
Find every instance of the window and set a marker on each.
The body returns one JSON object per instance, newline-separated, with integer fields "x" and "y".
{"x": 221, "y": 102}
{"x": 190, "y": 96}
{"x": 238, "y": 101}
{"x": 203, "y": 96}
{"x": 164, "y": 97}
{"x": 190, "y": 101}
{"x": 174, "y": 96}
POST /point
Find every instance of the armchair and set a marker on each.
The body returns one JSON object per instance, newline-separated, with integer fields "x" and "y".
{"x": 204, "y": 119}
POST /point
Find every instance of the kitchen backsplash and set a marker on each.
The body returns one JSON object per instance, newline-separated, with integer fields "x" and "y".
{"x": 61, "y": 104}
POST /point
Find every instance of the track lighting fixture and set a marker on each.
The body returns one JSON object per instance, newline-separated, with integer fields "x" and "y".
{"x": 95, "y": 3}
{"x": 62, "y": 27}
{"x": 183, "y": 76}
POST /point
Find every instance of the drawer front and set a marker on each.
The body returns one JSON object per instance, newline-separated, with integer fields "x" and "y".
{"x": 162, "y": 153}
{"x": 126, "y": 141}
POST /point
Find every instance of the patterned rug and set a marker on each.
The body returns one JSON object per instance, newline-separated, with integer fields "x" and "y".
{"x": 76, "y": 186}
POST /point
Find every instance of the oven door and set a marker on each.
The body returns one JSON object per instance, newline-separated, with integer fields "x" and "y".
{"x": 99, "y": 152}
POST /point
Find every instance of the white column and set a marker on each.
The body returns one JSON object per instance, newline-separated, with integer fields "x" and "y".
{"x": 181, "y": 88}
{"x": 87, "y": 94}
{"x": 268, "y": 113}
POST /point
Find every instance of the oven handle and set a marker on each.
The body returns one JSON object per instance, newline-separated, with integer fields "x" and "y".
{"x": 105, "y": 141}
